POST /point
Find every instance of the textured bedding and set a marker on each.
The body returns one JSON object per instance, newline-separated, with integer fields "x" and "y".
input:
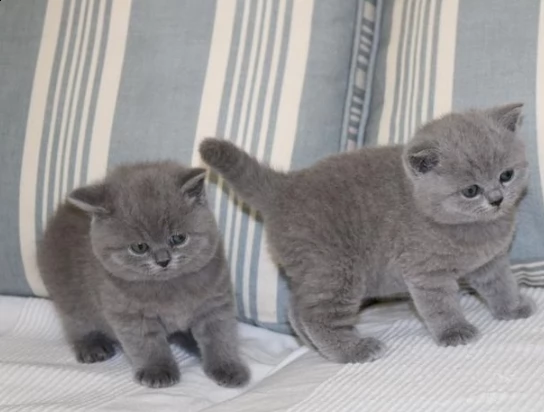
{"x": 503, "y": 371}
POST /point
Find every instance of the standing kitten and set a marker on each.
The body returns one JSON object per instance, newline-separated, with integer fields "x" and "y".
{"x": 137, "y": 259}
{"x": 382, "y": 221}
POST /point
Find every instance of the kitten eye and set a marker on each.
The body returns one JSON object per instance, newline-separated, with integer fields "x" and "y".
{"x": 139, "y": 248}
{"x": 471, "y": 191}
{"x": 506, "y": 176}
{"x": 177, "y": 240}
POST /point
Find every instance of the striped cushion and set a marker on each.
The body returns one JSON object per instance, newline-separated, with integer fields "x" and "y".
{"x": 87, "y": 84}
{"x": 435, "y": 56}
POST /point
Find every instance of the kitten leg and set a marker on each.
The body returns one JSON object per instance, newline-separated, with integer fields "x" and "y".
{"x": 216, "y": 332}
{"x": 89, "y": 342}
{"x": 145, "y": 342}
{"x": 327, "y": 319}
{"x": 438, "y": 304}
{"x": 496, "y": 284}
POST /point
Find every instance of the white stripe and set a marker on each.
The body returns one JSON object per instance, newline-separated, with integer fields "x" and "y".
{"x": 216, "y": 71}
{"x": 265, "y": 264}
{"x": 416, "y": 70}
{"x": 88, "y": 93}
{"x": 286, "y": 124}
{"x": 233, "y": 206}
{"x": 403, "y": 75}
{"x": 445, "y": 59}
{"x": 53, "y": 118}
{"x": 66, "y": 109}
{"x": 235, "y": 215}
{"x": 250, "y": 239}
{"x": 232, "y": 106}
{"x": 528, "y": 265}
{"x": 540, "y": 95}
{"x": 428, "y": 61}
{"x": 109, "y": 86}
{"x": 391, "y": 73}
{"x": 75, "y": 100}
{"x": 33, "y": 138}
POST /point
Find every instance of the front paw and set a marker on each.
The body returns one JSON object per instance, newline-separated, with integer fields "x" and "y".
{"x": 94, "y": 347}
{"x": 460, "y": 334}
{"x": 158, "y": 376}
{"x": 230, "y": 374}
{"x": 525, "y": 308}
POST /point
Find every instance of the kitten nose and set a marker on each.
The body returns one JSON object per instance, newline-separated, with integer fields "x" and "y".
{"x": 162, "y": 257}
{"x": 497, "y": 202}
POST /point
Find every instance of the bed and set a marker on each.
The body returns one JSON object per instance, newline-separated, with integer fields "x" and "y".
{"x": 504, "y": 370}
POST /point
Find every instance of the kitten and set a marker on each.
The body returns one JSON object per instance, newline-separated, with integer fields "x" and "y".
{"x": 385, "y": 221}
{"x": 136, "y": 260}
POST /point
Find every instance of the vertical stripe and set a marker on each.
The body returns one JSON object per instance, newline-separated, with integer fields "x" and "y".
{"x": 68, "y": 96}
{"x": 429, "y": 51}
{"x": 445, "y": 60}
{"x": 247, "y": 249}
{"x": 216, "y": 70}
{"x": 286, "y": 124}
{"x": 109, "y": 85}
{"x": 401, "y": 96}
{"x": 75, "y": 98}
{"x": 232, "y": 105}
{"x": 34, "y": 127}
{"x": 260, "y": 260}
{"x": 88, "y": 94}
{"x": 234, "y": 214}
{"x": 540, "y": 94}
{"x": 391, "y": 72}
{"x": 53, "y": 117}
{"x": 416, "y": 65}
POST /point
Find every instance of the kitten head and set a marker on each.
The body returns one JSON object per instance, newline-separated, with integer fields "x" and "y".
{"x": 468, "y": 167}
{"x": 150, "y": 221}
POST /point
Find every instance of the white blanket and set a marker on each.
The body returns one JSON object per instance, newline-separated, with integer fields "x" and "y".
{"x": 503, "y": 371}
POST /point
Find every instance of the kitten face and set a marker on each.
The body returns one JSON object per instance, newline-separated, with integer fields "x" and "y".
{"x": 468, "y": 167}
{"x": 155, "y": 224}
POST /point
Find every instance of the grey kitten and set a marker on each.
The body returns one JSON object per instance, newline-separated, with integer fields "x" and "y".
{"x": 385, "y": 221}
{"x": 137, "y": 260}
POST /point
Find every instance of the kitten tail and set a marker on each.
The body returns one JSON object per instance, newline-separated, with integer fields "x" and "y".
{"x": 256, "y": 183}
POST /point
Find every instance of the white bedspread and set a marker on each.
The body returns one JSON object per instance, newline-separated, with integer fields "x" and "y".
{"x": 503, "y": 371}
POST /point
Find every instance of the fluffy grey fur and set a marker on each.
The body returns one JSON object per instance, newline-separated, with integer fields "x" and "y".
{"x": 136, "y": 260}
{"x": 385, "y": 221}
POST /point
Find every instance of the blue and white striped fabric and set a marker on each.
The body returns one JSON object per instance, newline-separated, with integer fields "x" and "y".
{"x": 435, "y": 56}
{"x": 87, "y": 84}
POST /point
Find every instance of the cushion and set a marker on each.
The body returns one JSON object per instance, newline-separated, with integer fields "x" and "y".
{"x": 437, "y": 56}
{"x": 90, "y": 84}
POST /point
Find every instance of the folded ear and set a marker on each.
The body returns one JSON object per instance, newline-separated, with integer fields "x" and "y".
{"x": 508, "y": 116}
{"x": 422, "y": 159}
{"x": 90, "y": 199}
{"x": 192, "y": 185}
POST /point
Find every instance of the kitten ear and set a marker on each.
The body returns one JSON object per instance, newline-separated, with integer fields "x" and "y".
{"x": 90, "y": 199}
{"x": 422, "y": 159}
{"x": 508, "y": 116}
{"x": 192, "y": 184}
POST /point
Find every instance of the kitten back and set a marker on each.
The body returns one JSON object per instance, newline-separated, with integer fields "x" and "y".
{"x": 255, "y": 182}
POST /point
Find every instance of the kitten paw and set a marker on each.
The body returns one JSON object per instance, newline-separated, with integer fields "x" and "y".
{"x": 229, "y": 375}
{"x": 158, "y": 376}
{"x": 458, "y": 335}
{"x": 364, "y": 350}
{"x": 524, "y": 310}
{"x": 95, "y": 347}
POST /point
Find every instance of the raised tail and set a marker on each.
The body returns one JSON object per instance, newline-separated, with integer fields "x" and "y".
{"x": 257, "y": 184}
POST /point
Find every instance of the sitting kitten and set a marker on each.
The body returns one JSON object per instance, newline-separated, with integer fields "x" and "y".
{"x": 392, "y": 220}
{"x": 137, "y": 259}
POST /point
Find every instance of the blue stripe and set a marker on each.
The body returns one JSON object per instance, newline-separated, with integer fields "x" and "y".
{"x": 20, "y": 33}
{"x": 96, "y": 88}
